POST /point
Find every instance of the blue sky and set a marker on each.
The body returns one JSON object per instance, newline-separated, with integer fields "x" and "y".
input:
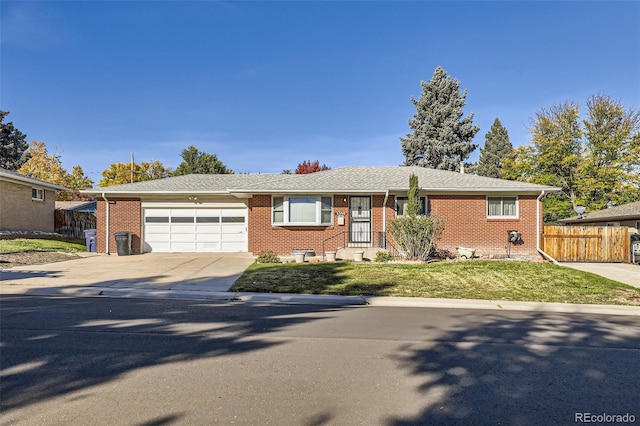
{"x": 266, "y": 85}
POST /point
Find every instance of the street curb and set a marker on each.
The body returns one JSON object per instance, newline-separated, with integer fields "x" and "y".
{"x": 503, "y": 305}
{"x": 338, "y": 301}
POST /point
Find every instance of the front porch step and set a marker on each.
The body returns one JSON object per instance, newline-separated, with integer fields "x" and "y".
{"x": 346, "y": 253}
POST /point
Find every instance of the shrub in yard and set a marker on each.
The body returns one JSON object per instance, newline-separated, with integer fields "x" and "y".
{"x": 417, "y": 235}
{"x": 267, "y": 256}
{"x": 383, "y": 256}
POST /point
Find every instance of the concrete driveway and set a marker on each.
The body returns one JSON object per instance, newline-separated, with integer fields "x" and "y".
{"x": 209, "y": 272}
{"x": 626, "y": 273}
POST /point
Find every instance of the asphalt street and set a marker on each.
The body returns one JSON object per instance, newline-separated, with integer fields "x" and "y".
{"x": 78, "y": 361}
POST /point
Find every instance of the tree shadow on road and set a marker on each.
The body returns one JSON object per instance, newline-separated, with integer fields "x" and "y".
{"x": 164, "y": 331}
{"x": 533, "y": 368}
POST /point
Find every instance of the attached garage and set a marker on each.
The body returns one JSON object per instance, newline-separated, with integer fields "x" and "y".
{"x": 169, "y": 230}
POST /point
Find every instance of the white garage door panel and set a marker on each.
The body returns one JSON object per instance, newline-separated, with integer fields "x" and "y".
{"x": 195, "y": 230}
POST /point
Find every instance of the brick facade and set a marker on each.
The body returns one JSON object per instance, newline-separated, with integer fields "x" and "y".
{"x": 466, "y": 225}
{"x": 19, "y": 212}
{"x": 282, "y": 239}
{"x": 124, "y": 215}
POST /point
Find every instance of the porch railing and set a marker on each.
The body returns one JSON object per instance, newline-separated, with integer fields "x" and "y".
{"x": 341, "y": 240}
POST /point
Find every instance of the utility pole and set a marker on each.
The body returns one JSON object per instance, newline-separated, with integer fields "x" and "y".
{"x": 132, "y": 167}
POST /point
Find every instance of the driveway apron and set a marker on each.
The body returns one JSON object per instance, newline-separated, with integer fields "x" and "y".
{"x": 161, "y": 271}
{"x": 625, "y": 273}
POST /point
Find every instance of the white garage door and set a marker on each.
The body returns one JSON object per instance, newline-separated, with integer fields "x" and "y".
{"x": 195, "y": 230}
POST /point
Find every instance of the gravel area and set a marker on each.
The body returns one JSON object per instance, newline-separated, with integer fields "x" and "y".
{"x": 11, "y": 260}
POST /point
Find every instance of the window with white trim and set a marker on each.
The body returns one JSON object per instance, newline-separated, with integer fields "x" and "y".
{"x": 37, "y": 194}
{"x": 502, "y": 207}
{"x": 402, "y": 202}
{"x": 302, "y": 210}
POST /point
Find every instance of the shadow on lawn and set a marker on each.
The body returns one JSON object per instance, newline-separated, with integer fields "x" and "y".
{"x": 316, "y": 278}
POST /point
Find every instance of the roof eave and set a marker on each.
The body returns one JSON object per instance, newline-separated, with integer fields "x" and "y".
{"x": 32, "y": 181}
{"x": 106, "y": 191}
{"x": 601, "y": 219}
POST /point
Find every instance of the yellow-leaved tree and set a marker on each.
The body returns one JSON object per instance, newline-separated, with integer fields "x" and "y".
{"x": 121, "y": 173}
{"x": 48, "y": 167}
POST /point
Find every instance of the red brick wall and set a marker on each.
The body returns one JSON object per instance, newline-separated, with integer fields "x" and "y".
{"x": 282, "y": 239}
{"x": 124, "y": 215}
{"x": 466, "y": 225}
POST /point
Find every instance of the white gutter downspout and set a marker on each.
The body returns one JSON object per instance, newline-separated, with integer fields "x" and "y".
{"x": 538, "y": 202}
{"x": 384, "y": 213}
{"x": 107, "y": 225}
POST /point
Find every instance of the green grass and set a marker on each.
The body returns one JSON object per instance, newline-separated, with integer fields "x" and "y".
{"x": 489, "y": 280}
{"x": 67, "y": 245}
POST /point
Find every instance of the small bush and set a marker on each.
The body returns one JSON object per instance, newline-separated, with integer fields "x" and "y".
{"x": 383, "y": 256}
{"x": 267, "y": 256}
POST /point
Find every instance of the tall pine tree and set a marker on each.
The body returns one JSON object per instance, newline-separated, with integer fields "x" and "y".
{"x": 13, "y": 145}
{"x": 441, "y": 138}
{"x": 497, "y": 146}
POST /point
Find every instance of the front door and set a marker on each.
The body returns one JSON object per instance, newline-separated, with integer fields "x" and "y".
{"x": 360, "y": 219}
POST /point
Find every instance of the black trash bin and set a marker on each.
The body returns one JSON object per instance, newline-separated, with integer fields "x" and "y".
{"x": 123, "y": 243}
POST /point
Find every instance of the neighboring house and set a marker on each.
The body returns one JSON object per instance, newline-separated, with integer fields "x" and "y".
{"x": 72, "y": 218}
{"x": 624, "y": 215}
{"x": 77, "y": 206}
{"x": 26, "y": 204}
{"x": 350, "y": 206}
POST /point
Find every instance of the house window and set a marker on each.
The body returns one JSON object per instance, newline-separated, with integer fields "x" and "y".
{"x": 502, "y": 207}
{"x": 302, "y": 210}
{"x": 402, "y": 202}
{"x": 37, "y": 194}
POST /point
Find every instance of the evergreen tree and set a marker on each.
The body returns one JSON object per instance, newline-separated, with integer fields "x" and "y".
{"x": 497, "y": 146}
{"x": 13, "y": 146}
{"x": 414, "y": 207}
{"x": 196, "y": 161}
{"x": 441, "y": 138}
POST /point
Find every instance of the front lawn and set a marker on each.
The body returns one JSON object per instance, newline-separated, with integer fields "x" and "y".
{"x": 66, "y": 245}
{"x": 477, "y": 279}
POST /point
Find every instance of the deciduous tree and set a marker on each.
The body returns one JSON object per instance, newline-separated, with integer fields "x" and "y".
{"x": 307, "y": 167}
{"x": 44, "y": 166}
{"x": 596, "y": 161}
{"x": 121, "y": 173}
{"x": 441, "y": 138}
{"x": 77, "y": 181}
{"x": 610, "y": 170}
{"x": 13, "y": 146}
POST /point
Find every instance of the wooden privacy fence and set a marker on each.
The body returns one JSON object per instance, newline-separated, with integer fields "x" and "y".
{"x": 73, "y": 224}
{"x": 587, "y": 243}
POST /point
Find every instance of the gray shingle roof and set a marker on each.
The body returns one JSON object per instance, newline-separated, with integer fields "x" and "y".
{"x": 345, "y": 179}
{"x": 625, "y": 211}
{"x": 14, "y": 176}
